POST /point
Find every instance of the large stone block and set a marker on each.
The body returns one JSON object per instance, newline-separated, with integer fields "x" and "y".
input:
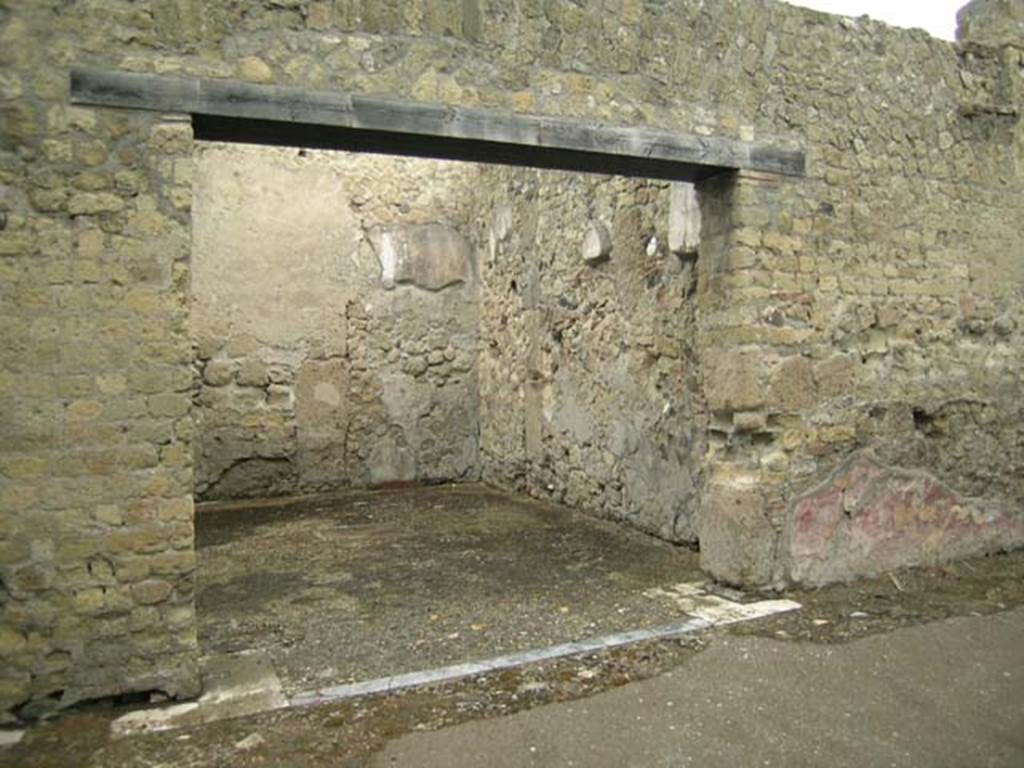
{"x": 792, "y": 386}
{"x": 734, "y": 380}
{"x": 991, "y": 22}
{"x": 737, "y": 540}
{"x": 94, "y": 203}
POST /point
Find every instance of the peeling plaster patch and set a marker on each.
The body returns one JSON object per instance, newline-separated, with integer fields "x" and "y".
{"x": 502, "y": 221}
{"x": 427, "y": 256}
{"x": 867, "y": 519}
{"x": 501, "y": 228}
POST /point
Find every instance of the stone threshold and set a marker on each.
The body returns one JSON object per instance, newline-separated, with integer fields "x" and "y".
{"x": 239, "y": 685}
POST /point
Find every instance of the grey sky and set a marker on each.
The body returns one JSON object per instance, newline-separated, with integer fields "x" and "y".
{"x": 936, "y": 16}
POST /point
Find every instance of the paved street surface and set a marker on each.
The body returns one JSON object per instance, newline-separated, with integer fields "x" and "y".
{"x": 945, "y": 694}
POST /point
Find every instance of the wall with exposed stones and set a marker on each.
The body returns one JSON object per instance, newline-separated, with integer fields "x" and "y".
{"x": 97, "y": 554}
{"x": 861, "y": 331}
{"x": 590, "y": 389}
{"x": 858, "y": 331}
{"x": 334, "y": 314}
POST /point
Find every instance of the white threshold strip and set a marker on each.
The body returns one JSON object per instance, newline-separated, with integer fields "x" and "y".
{"x": 508, "y": 661}
{"x": 705, "y": 610}
{"x": 260, "y": 689}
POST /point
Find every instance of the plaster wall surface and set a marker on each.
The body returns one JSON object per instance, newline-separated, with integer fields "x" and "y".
{"x": 334, "y": 315}
{"x": 857, "y": 330}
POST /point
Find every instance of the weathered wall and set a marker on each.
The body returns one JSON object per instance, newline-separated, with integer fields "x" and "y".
{"x": 590, "y": 392}
{"x": 867, "y": 316}
{"x": 96, "y": 541}
{"x": 316, "y": 370}
{"x": 861, "y": 330}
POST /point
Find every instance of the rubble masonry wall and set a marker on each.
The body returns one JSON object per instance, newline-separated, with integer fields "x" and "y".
{"x": 858, "y": 331}
{"x": 315, "y": 371}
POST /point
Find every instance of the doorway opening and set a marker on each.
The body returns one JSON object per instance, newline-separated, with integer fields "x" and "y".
{"x": 412, "y": 379}
{"x": 583, "y": 388}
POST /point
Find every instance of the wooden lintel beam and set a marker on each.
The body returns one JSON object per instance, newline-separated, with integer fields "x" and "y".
{"x": 239, "y": 111}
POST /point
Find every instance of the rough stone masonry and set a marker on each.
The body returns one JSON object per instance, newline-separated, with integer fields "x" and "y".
{"x": 335, "y": 317}
{"x": 831, "y": 385}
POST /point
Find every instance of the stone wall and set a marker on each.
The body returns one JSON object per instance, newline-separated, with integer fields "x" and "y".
{"x": 858, "y": 331}
{"x": 861, "y": 329}
{"x": 96, "y": 541}
{"x": 335, "y": 314}
{"x": 590, "y": 391}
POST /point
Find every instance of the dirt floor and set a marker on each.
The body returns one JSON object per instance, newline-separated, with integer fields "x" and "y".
{"x": 512, "y": 576}
{"x": 354, "y": 586}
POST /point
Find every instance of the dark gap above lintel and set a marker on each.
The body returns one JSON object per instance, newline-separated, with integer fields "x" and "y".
{"x": 304, "y": 135}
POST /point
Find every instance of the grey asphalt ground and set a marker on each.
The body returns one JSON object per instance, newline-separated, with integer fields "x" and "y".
{"x": 949, "y": 693}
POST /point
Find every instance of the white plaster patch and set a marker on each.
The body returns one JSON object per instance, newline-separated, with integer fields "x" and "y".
{"x": 10, "y": 736}
{"x": 652, "y": 246}
{"x": 597, "y": 243}
{"x": 694, "y": 599}
{"x": 502, "y": 221}
{"x": 388, "y": 260}
{"x": 150, "y": 720}
{"x": 684, "y": 219}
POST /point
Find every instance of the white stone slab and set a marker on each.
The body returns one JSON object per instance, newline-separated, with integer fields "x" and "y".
{"x": 234, "y": 685}
{"x": 10, "y": 736}
{"x": 693, "y": 599}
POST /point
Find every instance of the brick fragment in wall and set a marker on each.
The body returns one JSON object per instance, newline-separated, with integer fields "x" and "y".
{"x": 737, "y": 538}
{"x": 734, "y": 380}
{"x": 597, "y": 244}
{"x": 991, "y": 22}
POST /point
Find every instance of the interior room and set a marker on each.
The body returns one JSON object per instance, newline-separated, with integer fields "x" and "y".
{"x": 442, "y": 409}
